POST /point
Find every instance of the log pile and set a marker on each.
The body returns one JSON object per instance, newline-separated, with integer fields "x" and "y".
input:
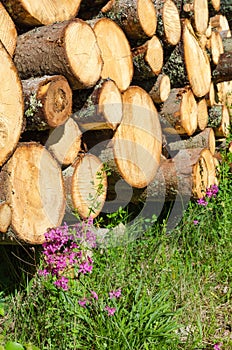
{"x": 96, "y": 93}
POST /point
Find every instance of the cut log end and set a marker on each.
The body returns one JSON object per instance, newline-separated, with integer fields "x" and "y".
{"x": 147, "y": 16}
{"x": 8, "y": 36}
{"x": 5, "y": 216}
{"x": 161, "y": 89}
{"x": 171, "y": 22}
{"x": 201, "y": 15}
{"x": 202, "y": 114}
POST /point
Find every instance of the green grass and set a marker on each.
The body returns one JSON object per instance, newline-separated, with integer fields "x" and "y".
{"x": 176, "y": 290}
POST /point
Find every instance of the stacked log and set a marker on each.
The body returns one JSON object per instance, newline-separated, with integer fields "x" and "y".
{"x": 99, "y": 93}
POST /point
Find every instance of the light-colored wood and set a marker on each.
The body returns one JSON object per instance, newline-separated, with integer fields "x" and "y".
{"x": 137, "y": 18}
{"x": 115, "y": 51}
{"x": 216, "y": 46}
{"x": 34, "y": 13}
{"x": 169, "y": 26}
{"x": 148, "y": 59}
{"x": 8, "y": 32}
{"x": 202, "y": 114}
{"x": 86, "y": 186}
{"x": 198, "y": 70}
{"x": 179, "y": 112}
{"x": 210, "y": 96}
{"x": 48, "y": 102}
{"x": 32, "y": 184}
{"x": 5, "y": 216}
{"x": 11, "y": 106}
{"x": 102, "y": 109}
{"x": 64, "y": 142}
{"x": 161, "y": 89}
{"x": 219, "y": 119}
{"x": 205, "y": 139}
{"x": 137, "y": 142}
{"x": 215, "y": 4}
{"x": 55, "y": 49}
{"x": 220, "y": 23}
{"x": 223, "y": 71}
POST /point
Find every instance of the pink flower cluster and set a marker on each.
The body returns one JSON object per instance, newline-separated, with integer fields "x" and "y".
{"x": 63, "y": 249}
{"x": 210, "y": 192}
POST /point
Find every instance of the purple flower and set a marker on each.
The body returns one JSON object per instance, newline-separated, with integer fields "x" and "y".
{"x": 217, "y": 346}
{"x": 110, "y": 310}
{"x": 82, "y": 302}
{"x": 62, "y": 283}
{"x": 94, "y": 295}
{"x": 43, "y": 272}
{"x": 195, "y": 222}
{"x": 202, "y": 201}
{"x": 85, "y": 267}
{"x": 115, "y": 294}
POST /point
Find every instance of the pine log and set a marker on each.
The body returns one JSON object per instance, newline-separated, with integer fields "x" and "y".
{"x": 199, "y": 14}
{"x": 186, "y": 175}
{"x": 86, "y": 186}
{"x": 179, "y": 113}
{"x": 168, "y": 24}
{"x": 220, "y": 23}
{"x": 115, "y": 51}
{"x": 219, "y": 119}
{"x": 148, "y": 59}
{"x": 215, "y": 5}
{"x": 137, "y": 142}
{"x": 210, "y": 96}
{"x": 226, "y": 10}
{"x": 48, "y": 102}
{"x": 216, "y": 47}
{"x": 223, "y": 71}
{"x": 102, "y": 109}
{"x": 202, "y": 114}
{"x": 137, "y": 18}
{"x": 32, "y": 184}
{"x": 8, "y": 34}
{"x": 67, "y": 48}
{"x": 32, "y": 13}
{"x": 205, "y": 139}
{"x": 5, "y": 216}
{"x": 11, "y": 106}
{"x": 161, "y": 89}
{"x": 64, "y": 142}
{"x": 198, "y": 70}
{"x": 224, "y": 93}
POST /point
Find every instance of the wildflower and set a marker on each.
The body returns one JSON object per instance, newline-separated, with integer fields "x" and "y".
{"x": 115, "y": 294}
{"x": 195, "y": 222}
{"x": 43, "y": 272}
{"x": 83, "y": 302}
{"x": 62, "y": 283}
{"x": 217, "y": 346}
{"x": 110, "y": 310}
{"x": 202, "y": 201}
{"x": 94, "y": 295}
{"x": 85, "y": 267}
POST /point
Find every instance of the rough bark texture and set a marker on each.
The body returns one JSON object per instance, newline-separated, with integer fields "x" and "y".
{"x": 48, "y": 102}
{"x": 11, "y": 106}
{"x": 148, "y": 59}
{"x": 137, "y": 18}
{"x": 32, "y": 184}
{"x": 52, "y": 50}
{"x": 223, "y": 70}
{"x": 220, "y": 23}
{"x": 26, "y": 12}
{"x": 102, "y": 109}
{"x": 178, "y": 114}
{"x": 219, "y": 119}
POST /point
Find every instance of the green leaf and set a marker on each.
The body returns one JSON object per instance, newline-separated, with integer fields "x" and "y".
{"x": 31, "y": 347}
{"x": 2, "y": 312}
{"x": 11, "y": 345}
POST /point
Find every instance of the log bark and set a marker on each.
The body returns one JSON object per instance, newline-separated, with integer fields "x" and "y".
{"x": 64, "y": 142}
{"x": 148, "y": 59}
{"x": 5, "y": 216}
{"x": 137, "y": 18}
{"x": 32, "y": 184}
{"x": 161, "y": 89}
{"x": 90, "y": 9}
{"x": 34, "y": 13}
{"x": 8, "y": 36}
{"x": 137, "y": 141}
{"x": 86, "y": 186}
{"x": 198, "y": 70}
{"x": 202, "y": 114}
{"x": 11, "y": 106}
{"x": 52, "y": 49}
{"x": 168, "y": 24}
{"x": 219, "y": 119}
{"x": 223, "y": 71}
{"x": 48, "y": 102}
{"x": 226, "y": 10}
{"x": 115, "y": 51}
{"x": 220, "y": 23}
{"x": 178, "y": 114}
{"x": 205, "y": 139}
{"x": 102, "y": 109}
